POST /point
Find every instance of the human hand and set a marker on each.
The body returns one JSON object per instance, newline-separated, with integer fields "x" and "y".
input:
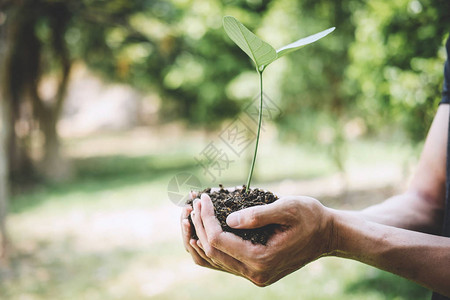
{"x": 192, "y": 245}
{"x": 189, "y": 243}
{"x": 304, "y": 234}
{"x": 189, "y": 204}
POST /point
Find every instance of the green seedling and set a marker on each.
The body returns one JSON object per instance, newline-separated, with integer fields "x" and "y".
{"x": 262, "y": 55}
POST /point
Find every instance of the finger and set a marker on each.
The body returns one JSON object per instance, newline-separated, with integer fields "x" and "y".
{"x": 218, "y": 257}
{"x": 225, "y": 242}
{"x": 197, "y": 258}
{"x": 201, "y": 255}
{"x": 199, "y": 247}
{"x": 193, "y": 195}
{"x": 277, "y": 212}
{"x": 219, "y": 266}
{"x": 196, "y": 245}
{"x": 190, "y": 244}
{"x": 200, "y": 230}
{"x": 185, "y": 211}
{"x": 186, "y": 233}
{"x": 186, "y": 230}
{"x": 198, "y": 224}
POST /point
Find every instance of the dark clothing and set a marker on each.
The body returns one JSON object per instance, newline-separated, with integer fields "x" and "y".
{"x": 446, "y": 99}
{"x": 446, "y": 87}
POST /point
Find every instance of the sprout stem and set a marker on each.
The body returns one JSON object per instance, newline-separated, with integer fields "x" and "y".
{"x": 247, "y": 189}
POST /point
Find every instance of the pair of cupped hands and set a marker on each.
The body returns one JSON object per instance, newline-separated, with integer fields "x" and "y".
{"x": 304, "y": 233}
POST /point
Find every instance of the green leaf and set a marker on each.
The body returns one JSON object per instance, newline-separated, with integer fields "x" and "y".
{"x": 259, "y": 51}
{"x": 303, "y": 42}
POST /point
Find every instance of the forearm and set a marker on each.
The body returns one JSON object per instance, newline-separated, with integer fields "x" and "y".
{"x": 410, "y": 210}
{"x": 420, "y": 257}
{"x": 420, "y": 208}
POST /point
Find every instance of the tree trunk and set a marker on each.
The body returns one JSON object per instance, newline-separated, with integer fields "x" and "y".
{"x": 26, "y": 69}
{"x": 54, "y": 166}
{"x": 20, "y": 68}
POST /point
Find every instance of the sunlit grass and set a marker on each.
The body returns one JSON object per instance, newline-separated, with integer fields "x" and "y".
{"x": 329, "y": 278}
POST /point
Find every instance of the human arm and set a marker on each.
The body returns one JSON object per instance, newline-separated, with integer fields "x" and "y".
{"x": 420, "y": 207}
{"x": 420, "y": 257}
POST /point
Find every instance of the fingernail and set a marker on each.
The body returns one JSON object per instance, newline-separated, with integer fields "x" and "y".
{"x": 199, "y": 244}
{"x": 234, "y": 219}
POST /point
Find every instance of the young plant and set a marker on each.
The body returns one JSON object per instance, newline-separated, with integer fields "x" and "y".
{"x": 262, "y": 55}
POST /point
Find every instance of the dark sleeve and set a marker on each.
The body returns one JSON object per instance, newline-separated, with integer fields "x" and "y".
{"x": 446, "y": 87}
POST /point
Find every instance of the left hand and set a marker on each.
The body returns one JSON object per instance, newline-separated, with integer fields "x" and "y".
{"x": 304, "y": 234}
{"x": 192, "y": 245}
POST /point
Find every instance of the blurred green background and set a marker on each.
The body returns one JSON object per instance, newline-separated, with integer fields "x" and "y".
{"x": 105, "y": 103}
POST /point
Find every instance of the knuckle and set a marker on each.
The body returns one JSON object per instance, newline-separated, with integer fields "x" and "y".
{"x": 209, "y": 251}
{"x": 214, "y": 240}
{"x": 292, "y": 209}
{"x": 253, "y": 217}
{"x": 185, "y": 211}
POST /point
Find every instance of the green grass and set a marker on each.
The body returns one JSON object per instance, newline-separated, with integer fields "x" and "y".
{"x": 329, "y": 278}
{"x": 111, "y": 233}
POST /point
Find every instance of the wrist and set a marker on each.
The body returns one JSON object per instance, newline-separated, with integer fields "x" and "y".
{"x": 343, "y": 232}
{"x": 331, "y": 234}
{"x": 356, "y": 238}
{"x": 318, "y": 222}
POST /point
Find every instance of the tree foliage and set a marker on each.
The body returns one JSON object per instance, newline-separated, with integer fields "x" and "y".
{"x": 401, "y": 43}
{"x": 173, "y": 48}
{"x": 381, "y": 68}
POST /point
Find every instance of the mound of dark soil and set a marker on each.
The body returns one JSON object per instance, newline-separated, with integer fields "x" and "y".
{"x": 226, "y": 202}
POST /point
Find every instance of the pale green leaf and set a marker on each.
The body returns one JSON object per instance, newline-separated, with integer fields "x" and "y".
{"x": 259, "y": 51}
{"x": 303, "y": 42}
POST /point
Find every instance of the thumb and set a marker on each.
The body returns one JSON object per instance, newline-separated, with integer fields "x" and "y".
{"x": 257, "y": 216}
